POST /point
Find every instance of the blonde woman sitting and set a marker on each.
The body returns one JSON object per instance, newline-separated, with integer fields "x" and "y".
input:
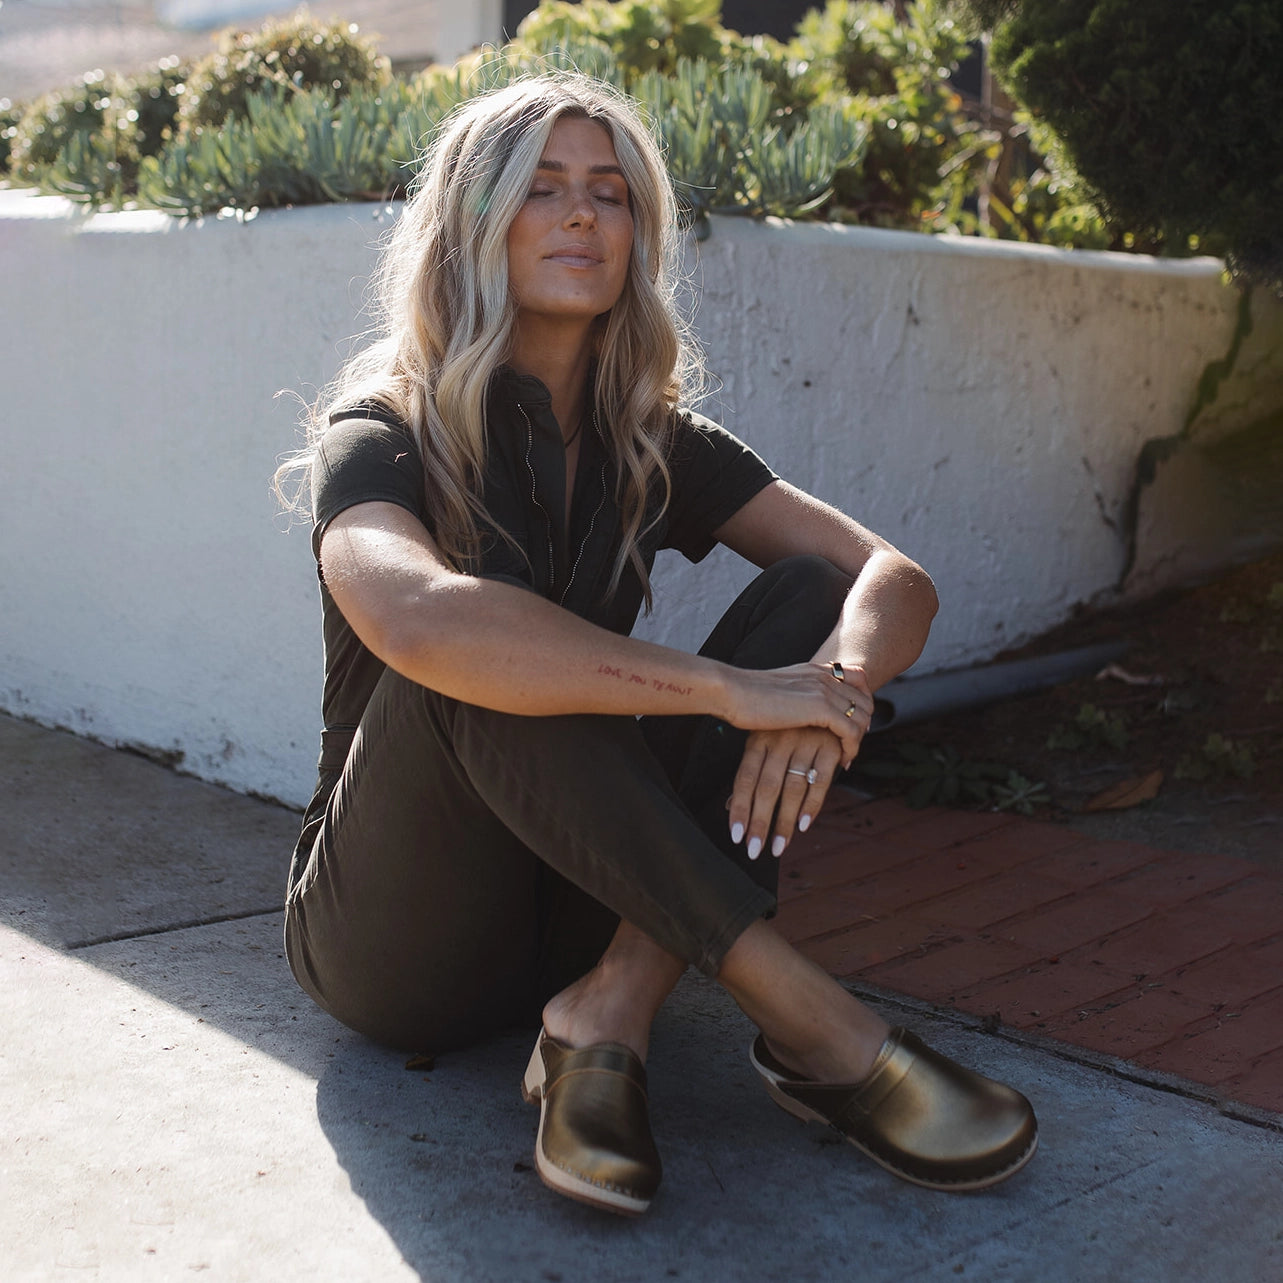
{"x": 522, "y": 813}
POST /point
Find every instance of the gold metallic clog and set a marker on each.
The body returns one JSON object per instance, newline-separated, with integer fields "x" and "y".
{"x": 918, "y": 1114}
{"x": 594, "y": 1141}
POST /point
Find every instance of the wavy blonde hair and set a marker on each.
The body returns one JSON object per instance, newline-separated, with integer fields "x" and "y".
{"x": 444, "y": 313}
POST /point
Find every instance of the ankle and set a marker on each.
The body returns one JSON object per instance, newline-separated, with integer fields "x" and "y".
{"x": 591, "y": 1011}
{"x": 847, "y": 1059}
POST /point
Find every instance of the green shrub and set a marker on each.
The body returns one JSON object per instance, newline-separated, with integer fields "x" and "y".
{"x": 97, "y": 131}
{"x": 853, "y": 119}
{"x": 9, "y": 117}
{"x": 151, "y": 104}
{"x": 291, "y": 147}
{"x": 1049, "y": 202}
{"x": 727, "y": 154}
{"x": 48, "y": 123}
{"x": 296, "y": 52}
{"x": 897, "y": 75}
{"x": 641, "y": 35}
{"x": 1172, "y": 111}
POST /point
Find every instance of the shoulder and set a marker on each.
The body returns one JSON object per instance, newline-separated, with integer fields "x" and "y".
{"x": 365, "y": 435}
{"x": 703, "y": 447}
{"x": 366, "y": 454}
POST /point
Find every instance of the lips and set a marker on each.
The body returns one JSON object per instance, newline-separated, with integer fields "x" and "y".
{"x": 577, "y": 256}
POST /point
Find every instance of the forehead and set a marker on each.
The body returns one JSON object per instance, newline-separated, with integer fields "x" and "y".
{"x": 576, "y": 139}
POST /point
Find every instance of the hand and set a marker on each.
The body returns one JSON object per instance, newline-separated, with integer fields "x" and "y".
{"x": 802, "y": 695}
{"x": 772, "y": 782}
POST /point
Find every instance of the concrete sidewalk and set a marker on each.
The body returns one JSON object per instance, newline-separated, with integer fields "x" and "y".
{"x": 173, "y": 1104}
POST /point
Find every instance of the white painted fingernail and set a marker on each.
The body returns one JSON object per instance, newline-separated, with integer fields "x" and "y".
{"x": 804, "y": 823}
{"x": 777, "y": 847}
{"x": 754, "y": 848}
{"x": 737, "y": 833}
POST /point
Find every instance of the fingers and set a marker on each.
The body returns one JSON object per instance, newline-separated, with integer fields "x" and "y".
{"x": 745, "y": 788}
{"x": 783, "y": 779}
{"x": 802, "y": 795}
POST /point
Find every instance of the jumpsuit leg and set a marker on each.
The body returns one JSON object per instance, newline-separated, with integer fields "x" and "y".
{"x": 466, "y": 856}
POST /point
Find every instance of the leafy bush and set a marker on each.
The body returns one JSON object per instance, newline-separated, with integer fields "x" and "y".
{"x": 854, "y": 119}
{"x": 726, "y": 153}
{"x": 296, "y": 52}
{"x": 86, "y": 142}
{"x": 895, "y": 75}
{"x": 9, "y": 117}
{"x": 641, "y": 35}
{"x": 48, "y": 123}
{"x": 151, "y": 103}
{"x": 1172, "y": 111}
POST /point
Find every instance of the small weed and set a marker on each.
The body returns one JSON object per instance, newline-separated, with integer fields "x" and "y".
{"x": 1016, "y": 793}
{"x": 1176, "y": 702}
{"x": 1269, "y": 614}
{"x": 941, "y": 776}
{"x": 1219, "y": 758}
{"x": 1092, "y": 727}
{"x": 1238, "y": 611}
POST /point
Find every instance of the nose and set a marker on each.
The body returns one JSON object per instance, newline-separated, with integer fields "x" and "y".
{"x": 580, "y": 210}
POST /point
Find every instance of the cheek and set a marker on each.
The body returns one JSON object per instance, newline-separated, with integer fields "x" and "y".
{"x": 624, "y": 241}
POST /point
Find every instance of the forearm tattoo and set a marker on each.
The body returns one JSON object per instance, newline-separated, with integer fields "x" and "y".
{"x": 638, "y": 679}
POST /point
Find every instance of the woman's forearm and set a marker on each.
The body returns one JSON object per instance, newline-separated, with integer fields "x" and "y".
{"x": 502, "y": 647}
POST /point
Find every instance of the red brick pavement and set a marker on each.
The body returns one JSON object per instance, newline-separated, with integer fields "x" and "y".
{"x": 1169, "y": 960}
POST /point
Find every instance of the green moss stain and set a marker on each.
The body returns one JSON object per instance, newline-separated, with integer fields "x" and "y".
{"x": 1159, "y": 449}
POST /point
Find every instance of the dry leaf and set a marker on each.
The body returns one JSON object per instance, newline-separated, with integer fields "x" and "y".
{"x": 1129, "y": 792}
{"x": 1119, "y": 673}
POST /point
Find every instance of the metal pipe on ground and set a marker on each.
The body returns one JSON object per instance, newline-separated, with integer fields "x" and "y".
{"x": 916, "y": 699}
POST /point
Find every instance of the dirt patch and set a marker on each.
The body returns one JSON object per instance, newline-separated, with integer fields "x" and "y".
{"x": 1193, "y": 712}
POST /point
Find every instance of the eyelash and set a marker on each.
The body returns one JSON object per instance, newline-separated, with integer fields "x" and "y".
{"x": 607, "y": 200}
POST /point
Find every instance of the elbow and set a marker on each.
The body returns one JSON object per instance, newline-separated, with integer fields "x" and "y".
{"x": 915, "y": 586}
{"x": 925, "y": 589}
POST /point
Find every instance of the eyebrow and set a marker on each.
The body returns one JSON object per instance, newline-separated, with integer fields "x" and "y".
{"x": 559, "y": 167}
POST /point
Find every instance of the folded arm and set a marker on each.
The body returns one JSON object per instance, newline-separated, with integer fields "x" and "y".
{"x": 881, "y": 631}
{"x": 499, "y": 646}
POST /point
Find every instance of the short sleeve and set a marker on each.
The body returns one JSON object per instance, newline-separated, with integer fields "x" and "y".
{"x": 364, "y": 460}
{"x": 714, "y": 474}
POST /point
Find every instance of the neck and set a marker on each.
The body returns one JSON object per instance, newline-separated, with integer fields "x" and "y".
{"x": 560, "y": 360}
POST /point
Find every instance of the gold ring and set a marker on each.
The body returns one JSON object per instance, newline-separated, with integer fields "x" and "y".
{"x": 850, "y": 712}
{"x": 837, "y": 670}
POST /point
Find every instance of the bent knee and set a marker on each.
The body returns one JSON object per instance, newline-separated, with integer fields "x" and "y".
{"x": 815, "y": 578}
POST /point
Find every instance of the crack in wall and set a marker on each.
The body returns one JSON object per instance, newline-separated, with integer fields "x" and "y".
{"x": 1158, "y": 450}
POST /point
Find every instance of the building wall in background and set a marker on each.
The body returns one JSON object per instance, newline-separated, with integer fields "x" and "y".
{"x": 981, "y": 404}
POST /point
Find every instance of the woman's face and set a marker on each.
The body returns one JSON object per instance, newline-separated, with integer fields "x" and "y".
{"x": 570, "y": 244}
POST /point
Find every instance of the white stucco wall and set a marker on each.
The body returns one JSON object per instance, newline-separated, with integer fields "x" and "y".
{"x": 980, "y": 405}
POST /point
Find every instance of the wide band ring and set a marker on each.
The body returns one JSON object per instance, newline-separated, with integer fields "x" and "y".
{"x": 809, "y": 776}
{"x": 837, "y": 670}
{"x": 851, "y": 707}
